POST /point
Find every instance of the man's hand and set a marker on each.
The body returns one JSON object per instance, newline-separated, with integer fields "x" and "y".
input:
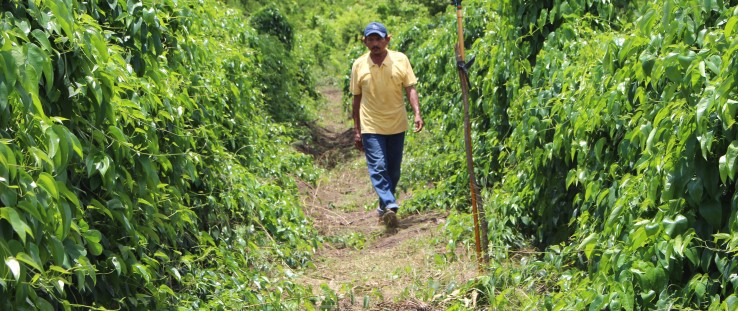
{"x": 357, "y": 141}
{"x": 412, "y": 96}
{"x": 418, "y": 124}
{"x": 355, "y": 106}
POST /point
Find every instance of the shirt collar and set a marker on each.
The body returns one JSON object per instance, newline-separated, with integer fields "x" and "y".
{"x": 387, "y": 59}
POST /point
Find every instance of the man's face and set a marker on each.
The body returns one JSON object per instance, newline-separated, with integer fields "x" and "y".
{"x": 376, "y": 44}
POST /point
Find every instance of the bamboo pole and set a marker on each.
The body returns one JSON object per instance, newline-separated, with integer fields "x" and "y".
{"x": 478, "y": 213}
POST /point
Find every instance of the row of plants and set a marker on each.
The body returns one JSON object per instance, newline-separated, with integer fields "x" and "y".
{"x": 605, "y": 145}
{"x": 145, "y": 159}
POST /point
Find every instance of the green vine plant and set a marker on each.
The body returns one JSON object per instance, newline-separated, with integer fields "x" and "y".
{"x": 605, "y": 143}
{"x": 139, "y": 166}
{"x": 145, "y": 159}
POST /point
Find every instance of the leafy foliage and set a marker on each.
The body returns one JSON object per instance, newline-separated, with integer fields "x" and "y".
{"x": 604, "y": 137}
{"x": 138, "y": 168}
{"x": 268, "y": 20}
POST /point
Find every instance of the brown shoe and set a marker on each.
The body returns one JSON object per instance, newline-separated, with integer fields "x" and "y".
{"x": 390, "y": 219}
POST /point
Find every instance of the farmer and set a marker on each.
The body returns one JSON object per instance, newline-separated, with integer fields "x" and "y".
{"x": 380, "y": 117}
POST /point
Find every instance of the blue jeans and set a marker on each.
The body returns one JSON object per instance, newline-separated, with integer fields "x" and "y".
{"x": 383, "y": 159}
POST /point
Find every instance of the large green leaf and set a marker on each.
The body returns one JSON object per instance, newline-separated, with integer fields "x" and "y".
{"x": 676, "y": 225}
{"x": 42, "y": 159}
{"x": 7, "y": 156}
{"x": 142, "y": 271}
{"x": 53, "y": 149}
{"x": 730, "y": 26}
{"x": 58, "y": 253}
{"x": 42, "y": 39}
{"x": 4, "y": 92}
{"x": 74, "y": 250}
{"x": 14, "y": 267}
{"x": 695, "y": 189}
{"x": 728, "y": 162}
{"x": 48, "y": 184}
{"x": 30, "y": 261}
{"x": 19, "y": 226}
{"x": 647, "y": 21}
{"x": 43, "y": 304}
{"x": 4, "y": 167}
{"x": 40, "y": 60}
{"x": 62, "y": 16}
{"x": 730, "y": 303}
{"x": 8, "y": 195}
{"x": 728, "y": 112}
{"x": 97, "y": 163}
{"x": 588, "y": 245}
{"x": 9, "y": 69}
{"x": 8, "y": 171}
{"x": 724, "y": 170}
{"x": 101, "y": 47}
{"x": 706, "y": 141}
{"x": 93, "y": 238}
{"x": 64, "y": 212}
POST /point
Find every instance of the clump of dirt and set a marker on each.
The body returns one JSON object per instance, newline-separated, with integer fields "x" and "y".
{"x": 331, "y": 141}
{"x": 327, "y": 147}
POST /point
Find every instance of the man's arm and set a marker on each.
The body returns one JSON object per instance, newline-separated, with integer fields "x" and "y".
{"x": 412, "y": 96}
{"x": 355, "y": 106}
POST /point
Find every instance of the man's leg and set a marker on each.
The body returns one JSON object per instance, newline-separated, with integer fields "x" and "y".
{"x": 375, "y": 149}
{"x": 395, "y": 147}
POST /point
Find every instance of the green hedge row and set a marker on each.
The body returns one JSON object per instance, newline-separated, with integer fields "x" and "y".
{"x": 605, "y": 137}
{"x": 139, "y": 164}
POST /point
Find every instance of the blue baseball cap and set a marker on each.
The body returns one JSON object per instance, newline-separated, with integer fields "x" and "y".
{"x": 375, "y": 28}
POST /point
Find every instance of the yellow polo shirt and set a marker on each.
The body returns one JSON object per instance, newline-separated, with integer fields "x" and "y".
{"x": 381, "y": 87}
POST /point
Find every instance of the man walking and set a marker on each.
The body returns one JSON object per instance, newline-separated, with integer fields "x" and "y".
{"x": 380, "y": 117}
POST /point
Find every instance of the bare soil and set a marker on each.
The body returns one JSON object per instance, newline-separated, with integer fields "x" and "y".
{"x": 368, "y": 266}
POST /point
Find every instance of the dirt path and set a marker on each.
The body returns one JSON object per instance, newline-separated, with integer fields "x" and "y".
{"x": 369, "y": 267}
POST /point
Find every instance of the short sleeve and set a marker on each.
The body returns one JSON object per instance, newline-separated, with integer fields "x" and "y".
{"x": 354, "y": 85}
{"x": 410, "y": 78}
